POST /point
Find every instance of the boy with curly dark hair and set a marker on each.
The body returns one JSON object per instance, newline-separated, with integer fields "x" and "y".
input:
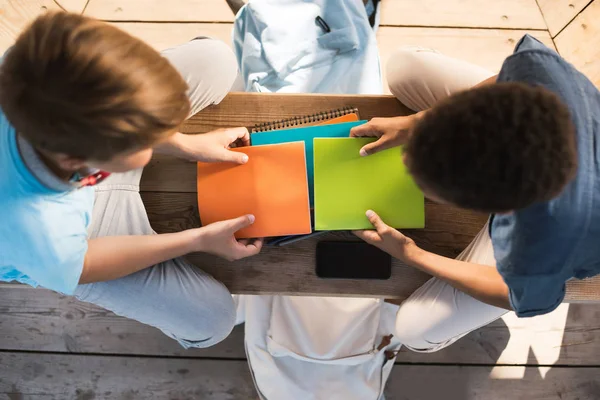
{"x": 522, "y": 146}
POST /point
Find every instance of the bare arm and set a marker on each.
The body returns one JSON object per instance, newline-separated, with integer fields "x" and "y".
{"x": 394, "y": 131}
{"x": 114, "y": 257}
{"x": 208, "y": 147}
{"x": 482, "y": 282}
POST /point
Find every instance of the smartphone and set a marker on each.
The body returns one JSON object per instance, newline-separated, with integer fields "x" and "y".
{"x": 352, "y": 260}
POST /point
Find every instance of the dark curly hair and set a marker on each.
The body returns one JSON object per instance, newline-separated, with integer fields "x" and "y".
{"x": 495, "y": 148}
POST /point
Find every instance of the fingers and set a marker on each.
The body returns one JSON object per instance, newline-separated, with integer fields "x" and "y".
{"x": 250, "y": 248}
{"x": 364, "y": 130}
{"x": 378, "y": 224}
{"x": 241, "y": 134}
{"x": 377, "y": 146}
{"x": 368, "y": 236}
{"x": 234, "y": 157}
{"x": 240, "y": 222}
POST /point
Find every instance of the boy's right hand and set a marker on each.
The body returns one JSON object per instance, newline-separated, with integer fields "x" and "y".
{"x": 218, "y": 239}
{"x": 391, "y": 132}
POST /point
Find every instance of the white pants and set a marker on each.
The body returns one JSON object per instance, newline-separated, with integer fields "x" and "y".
{"x": 437, "y": 314}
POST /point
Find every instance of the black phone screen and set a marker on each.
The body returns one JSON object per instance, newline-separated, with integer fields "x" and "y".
{"x": 352, "y": 260}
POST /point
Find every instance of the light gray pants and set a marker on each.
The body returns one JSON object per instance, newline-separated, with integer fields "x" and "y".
{"x": 436, "y": 315}
{"x": 174, "y": 296}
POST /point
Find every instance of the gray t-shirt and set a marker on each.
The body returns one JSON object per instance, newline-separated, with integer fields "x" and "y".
{"x": 539, "y": 248}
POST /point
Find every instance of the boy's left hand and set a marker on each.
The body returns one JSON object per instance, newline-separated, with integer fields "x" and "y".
{"x": 212, "y": 146}
{"x": 387, "y": 238}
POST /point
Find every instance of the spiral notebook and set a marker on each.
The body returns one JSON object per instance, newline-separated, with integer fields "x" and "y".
{"x": 305, "y": 134}
{"x": 346, "y": 114}
{"x": 227, "y": 190}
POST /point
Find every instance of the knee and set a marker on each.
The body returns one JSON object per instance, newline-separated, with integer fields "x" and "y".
{"x": 209, "y": 321}
{"x": 409, "y": 329}
{"x": 225, "y": 61}
{"x": 416, "y": 326}
{"x": 405, "y": 68}
{"x": 209, "y": 67}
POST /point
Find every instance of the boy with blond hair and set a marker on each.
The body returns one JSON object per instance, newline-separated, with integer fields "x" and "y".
{"x": 80, "y": 99}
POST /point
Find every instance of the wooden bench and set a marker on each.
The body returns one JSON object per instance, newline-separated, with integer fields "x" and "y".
{"x": 169, "y": 193}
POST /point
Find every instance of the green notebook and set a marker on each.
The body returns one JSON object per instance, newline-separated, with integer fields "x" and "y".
{"x": 347, "y": 185}
{"x": 307, "y": 134}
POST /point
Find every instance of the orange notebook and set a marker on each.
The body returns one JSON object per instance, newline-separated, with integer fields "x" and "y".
{"x": 345, "y": 118}
{"x": 272, "y": 185}
{"x": 346, "y": 114}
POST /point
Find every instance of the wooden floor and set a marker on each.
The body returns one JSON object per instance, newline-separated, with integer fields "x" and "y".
{"x": 53, "y": 347}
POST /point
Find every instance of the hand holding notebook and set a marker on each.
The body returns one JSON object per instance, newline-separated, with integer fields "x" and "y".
{"x": 272, "y": 186}
{"x": 219, "y": 239}
{"x": 275, "y": 184}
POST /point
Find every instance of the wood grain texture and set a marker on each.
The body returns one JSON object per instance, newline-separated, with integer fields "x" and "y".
{"x": 484, "y": 47}
{"x": 61, "y": 377}
{"x": 578, "y": 42}
{"x": 42, "y": 320}
{"x": 487, "y": 48}
{"x": 58, "y": 377}
{"x": 290, "y": 269}
{"x": 158, "y": 10}
{"x": 162, "y": 36}
{"x": 567, "y": 336}
{"x": 520, "y": 14}
{"x": 247, "y": 109}
{"x": 423, "y": 382}
{"x": 558, "y": 13}
{"x": 15, "y": 15}
{"x": 165, "y": 174}
{"x": 448, "y": 230}
{"x": 75, "y": 6}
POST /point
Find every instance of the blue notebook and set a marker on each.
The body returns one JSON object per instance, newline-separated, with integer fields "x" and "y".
{"x": 306, "y": 134}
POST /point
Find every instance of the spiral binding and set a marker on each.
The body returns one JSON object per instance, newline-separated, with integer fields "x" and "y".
{"x": 303, "y": 120}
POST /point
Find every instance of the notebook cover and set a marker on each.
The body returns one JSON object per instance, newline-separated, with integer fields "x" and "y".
{"x": 338, "y": 120}
{"x": 347, "y": 185}
{"x": 345, "y": 114}
{"x": 272, "y": 185}
{"x": 306, "y": 134}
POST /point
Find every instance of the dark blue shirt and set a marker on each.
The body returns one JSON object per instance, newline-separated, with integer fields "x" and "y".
{"x": 539, "y": 248}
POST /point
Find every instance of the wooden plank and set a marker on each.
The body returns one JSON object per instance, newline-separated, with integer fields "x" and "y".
{"x": 15, "y": 15}
{"x": 74, "y": 6}
{"x": 567, "y": 336}
{"x": 42, "y": 320}
{"x": 520, "y": 14}
{"x": 158, "y": 10}
{"x": 448, "y": 230}
{"x": 578, "y": 42}
{"x": 165, "y": 35}
{"x": 558, "y": 13}
{"x": 484, "y": 47}
{"x": 290, "y": 269}
{"x": 425, "y": 382}
{"x": 246, "y": 109}
{"x": 59, "y": 377}
{"x": 53, "y": 376}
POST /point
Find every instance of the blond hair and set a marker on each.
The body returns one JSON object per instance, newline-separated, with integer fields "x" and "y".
{"x": 82, "y": 87}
